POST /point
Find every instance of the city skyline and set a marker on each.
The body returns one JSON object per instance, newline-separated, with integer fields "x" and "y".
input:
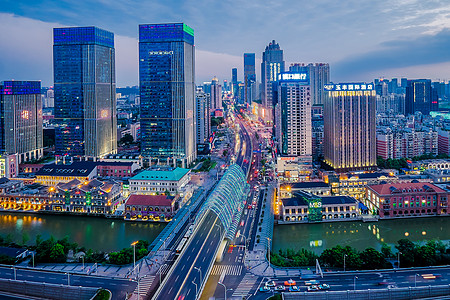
{"x": 410, "y": 44}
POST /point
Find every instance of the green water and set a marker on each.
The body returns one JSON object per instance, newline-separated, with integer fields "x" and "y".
{"x": 90, "y": 232}
{"x": 317, "y": 237}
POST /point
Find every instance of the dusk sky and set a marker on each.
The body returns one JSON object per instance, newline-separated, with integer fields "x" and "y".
{"x": 361, "y": 40}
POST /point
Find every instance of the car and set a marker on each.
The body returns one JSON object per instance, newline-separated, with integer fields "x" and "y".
{"x": 294, "y": 288}
{"x": 312, "y": 282}
{"x": 324, "y": 286}
{"x": 264, "y": 289}
{"x": 313, "y": 288}
{"x": 430, "y": 276}
{"x": 249, "y": 207}
{"x": 280, "y": 288}
{"x": 270, "y": 283}
{"x": 289, "y": 282}
{"x": 242, "y": 223}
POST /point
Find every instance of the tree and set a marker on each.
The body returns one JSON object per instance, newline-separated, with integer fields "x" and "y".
{"x": 372, "y": 259}
{"x": 407, "y": 249}
{"x": 126, "y": 139}
{"x": 57, "y": 253}
{"x": 386, "y": 250}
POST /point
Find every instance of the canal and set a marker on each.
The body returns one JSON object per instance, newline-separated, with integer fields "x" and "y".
{"x": 91, "y": 232}
{"x": 359, "y": 235}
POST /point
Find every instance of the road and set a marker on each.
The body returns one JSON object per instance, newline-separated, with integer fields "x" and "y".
{"x": 118, "y": 287}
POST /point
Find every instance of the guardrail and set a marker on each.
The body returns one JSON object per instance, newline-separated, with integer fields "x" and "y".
{"x": 382, "y": 294}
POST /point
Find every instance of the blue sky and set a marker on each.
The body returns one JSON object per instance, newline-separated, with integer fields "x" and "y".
{"x": 361, "y": 39}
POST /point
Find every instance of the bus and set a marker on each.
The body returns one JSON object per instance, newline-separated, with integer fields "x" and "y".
{"x": 180, "y": 246}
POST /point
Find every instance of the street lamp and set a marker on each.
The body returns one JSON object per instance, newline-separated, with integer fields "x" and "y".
{"x": 398, "y": 259}
{"x": 200, "y": 271}
{"x": 354, "y": 283}
{"x": 32, "y": 254}
{"x": 164, "y": 251}
{"x": 415, "y": 279}
{"x": 82, "y": 258}
{"x": 15, "y": 272}
{"x": 220, "y": 228}
{"x": 344, "y": 261}
{"x": 68, "y": 278}
{"x": 224, "y": 289}
{"x": 196, "y": 289}
{"x": 134, "y": 255}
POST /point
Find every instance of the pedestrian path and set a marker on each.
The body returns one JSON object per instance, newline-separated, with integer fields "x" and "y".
{"x": 235, "y": 270}
{"x": 164, "y": 269}
{"x": 245, "y": 286}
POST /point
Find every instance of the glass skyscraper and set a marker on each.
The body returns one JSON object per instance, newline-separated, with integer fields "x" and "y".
{"x": 249, "y": 77}
{"x": 21, "y": 119}
{"x": 166, "y": 79}
{"x": 85, "y": 91}
{"x": 272, "y": 65}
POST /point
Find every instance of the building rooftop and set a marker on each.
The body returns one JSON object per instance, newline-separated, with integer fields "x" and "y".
{"x": 75, "y": 169}
{"x": 338, "y": 200}
{"x": 169, "y": 175}
{"x": 408, "y": 187}
{"x": 305, "y": 185}
{"x": 155, "y": 200}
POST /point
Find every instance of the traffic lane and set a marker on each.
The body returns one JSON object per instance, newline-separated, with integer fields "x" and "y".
{"x": 177, "y": 277}
{"x": 119, "y": 287}
{"x": 202, "y": 262}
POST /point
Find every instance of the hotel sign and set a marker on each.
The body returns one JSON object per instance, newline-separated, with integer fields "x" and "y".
{"x": 349, "y": 87}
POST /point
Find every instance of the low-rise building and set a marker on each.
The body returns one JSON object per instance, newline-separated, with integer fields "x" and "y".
{"x": 116, "y": 169}
{"x": 294, "y": 168}
{"x": 52, "y": 174}
{"x": 150, "y": 207}
{"x": 318, "y": 188}
{"x": 9, "y": 165}
{"x": 406, "y": 200}
{"x": 158, "y": 181}
{"x": 304, "y": 207}
{"x": 8, "y": 186}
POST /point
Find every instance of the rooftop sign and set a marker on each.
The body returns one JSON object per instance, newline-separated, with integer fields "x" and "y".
{"x": 349, "y": 87}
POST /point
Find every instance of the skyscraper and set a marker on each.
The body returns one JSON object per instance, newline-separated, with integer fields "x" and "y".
{"x": 249, "y": 77}
{"x": 272, "y": 65}
{"x": 319, "y": 76}
{"x": 216, "y": 95}
{"x": 234, "y": 83}
{"x": 419, "y": 97}
{"x": 293, "y": 115}
{"x": 203, "y": 116}
{"x": 349, "y": 126}
{"x": 21, "y": 119}
{"x": 85, "y": 91}
{"x": 166, "y": 76}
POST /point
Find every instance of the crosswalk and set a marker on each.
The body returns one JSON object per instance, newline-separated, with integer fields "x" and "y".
{"x": 246, "y": 285}
{"x": 235, "y": 270}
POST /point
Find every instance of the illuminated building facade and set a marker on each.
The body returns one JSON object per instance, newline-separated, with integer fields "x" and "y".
{"x": 272, "y": 65}
{"x": 349, "y": 126}
{"x": 293, "y": 115}
{"x": 216, "y": 95}
{"x": 319, "y": 76}
{"x": 203, "y": 123}
{"x": 85, "y": 91}
{"x": 167, "y": 89}
{"x": 21, "y": 120}
{"x": 420, "y": 96}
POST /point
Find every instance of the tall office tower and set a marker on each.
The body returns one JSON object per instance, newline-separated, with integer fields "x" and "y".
{"x": 272, "y": 65}
{"x": 21, "y": 119}
{"x": 349, "y": 126}
{"x": 203, "y": 124}
{"x": 293, "y": 115}
{"x": 234, "y": 82}
{"x": 226, "y": 86}
{"x": 319, "y": 76}
{"x": 249, "y": 77}
{"x": 49, "y": 99}
{"x": 166, "y": 76}
{"x": 419, "y": 96}
{"x": 216, "y": 95}
{"x": 85, "y": 91}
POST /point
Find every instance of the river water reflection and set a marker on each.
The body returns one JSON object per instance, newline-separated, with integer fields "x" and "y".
{"x": 90, "y": 232}
{"x": 318, "y": 237}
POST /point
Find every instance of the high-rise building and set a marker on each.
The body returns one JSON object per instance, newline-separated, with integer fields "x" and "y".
{"x": 349, "y": 126}
{"x": 21, "y": 119}
{"x": 293, "y": 115}
{"x": 167, "y": 89}
{"x": 249, "y": 78}
{"x": 319, "y": 76}
{"x": 216, "y": 95}
{"x": 85, "y": 91}
{"x": 420, "y": 97}
{"x": 272, "y": 65}
{"x": 234, "y": 83}
{"x": 203, "y": 117}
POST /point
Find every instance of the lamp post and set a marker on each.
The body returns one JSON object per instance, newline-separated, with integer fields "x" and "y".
{"x": 32, "y": 254}
{"x": 200, "y": 271}
{"x": 196, "y": 289}
{"x": 220, "y": 228}
{"x": 68, "y": 278}
{"x": 82, "y": 258}
{"x": 415, "y": 280}
{"x": 160, "y": 274}
{"x": 354, "y": 283}
{"x": 15, "y": 272}
{"x": 224, "y": 289}
{"x": 344, "y": 261}
{"x": 134, "y": 255}
{"x": 398, "y": 259}
{"x": 164, "y": 251}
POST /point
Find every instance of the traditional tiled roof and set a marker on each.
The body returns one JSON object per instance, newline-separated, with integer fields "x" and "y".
{"x": 408, "y": 187}
{"x": 150, "y": 200}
